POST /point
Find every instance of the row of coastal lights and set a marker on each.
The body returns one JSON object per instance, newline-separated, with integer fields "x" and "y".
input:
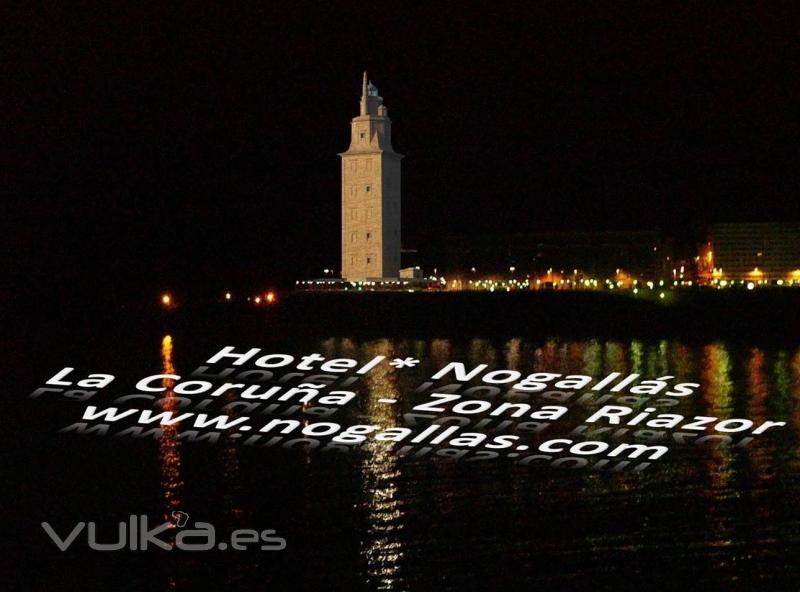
{"x": 168, "y": 300}
{"x": 635, "y": 286}
{"x": 492, "y": 285}
{"x": 755, "y": 279}
{"x": 555, "y": 279}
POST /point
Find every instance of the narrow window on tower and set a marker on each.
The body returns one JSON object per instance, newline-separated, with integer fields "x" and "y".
{"x": 369, "y": 235}
{"x": 363, "y": 135}
{"x": 369, "y": 260}
{"x": 368, "y": 188}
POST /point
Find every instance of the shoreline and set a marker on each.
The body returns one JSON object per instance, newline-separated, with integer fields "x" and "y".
{"x": 764, "y": 315}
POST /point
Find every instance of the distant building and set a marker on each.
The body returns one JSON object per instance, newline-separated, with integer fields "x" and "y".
{"x": 638, "y": 254}
{"x": 753, "y": 251}
{"x": 370, "y": 194}
{"x": 411, "y": 273}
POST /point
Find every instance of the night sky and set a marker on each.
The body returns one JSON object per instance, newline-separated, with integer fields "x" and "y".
{"x": 195, "y": 147}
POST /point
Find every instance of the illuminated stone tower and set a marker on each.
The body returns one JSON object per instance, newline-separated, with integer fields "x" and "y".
{"x": 370, "y": 194}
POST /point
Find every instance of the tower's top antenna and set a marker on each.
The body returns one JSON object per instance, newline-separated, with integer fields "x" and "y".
{"x": 364, "y": 91}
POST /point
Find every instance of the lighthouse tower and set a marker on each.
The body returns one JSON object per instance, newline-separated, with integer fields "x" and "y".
{"x": 370, "y": 194}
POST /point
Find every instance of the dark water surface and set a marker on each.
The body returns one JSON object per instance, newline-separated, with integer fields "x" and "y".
{"x": 710, "y": 516}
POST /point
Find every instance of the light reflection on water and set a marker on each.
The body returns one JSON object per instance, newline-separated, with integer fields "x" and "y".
{"x": 733, "y": 509}
{"x": 380, "y": 470}
{"x": 169, "y": 445}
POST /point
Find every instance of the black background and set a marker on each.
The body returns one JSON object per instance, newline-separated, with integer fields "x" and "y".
{"x": 194, "y": 147}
